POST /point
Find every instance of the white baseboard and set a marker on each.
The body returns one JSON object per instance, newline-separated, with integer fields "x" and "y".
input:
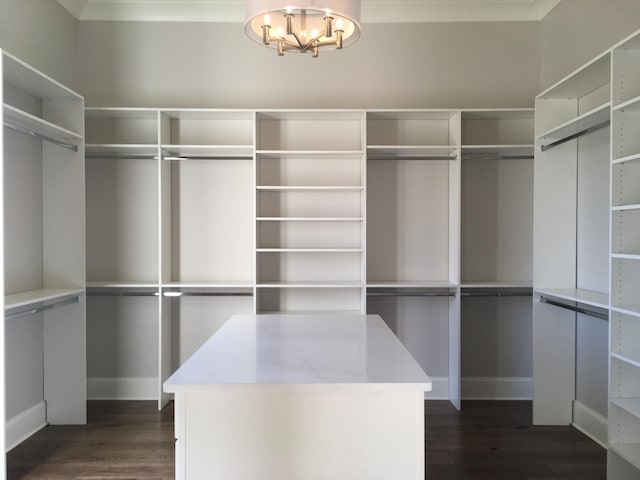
{"x": 589, "y": 422}
{"x": 122, "y": 388}
{"x": 25, "y": 424}
{"x": 439, "y": 390}
{"x": 497, "y": 388}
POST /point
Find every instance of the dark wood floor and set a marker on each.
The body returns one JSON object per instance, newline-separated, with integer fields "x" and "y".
{"x": 487, "y": 440}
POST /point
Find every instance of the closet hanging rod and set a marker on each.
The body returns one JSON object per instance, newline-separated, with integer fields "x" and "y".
{"x": 119, "y": 156}
{"x": 105, "y": 293}
{"x": 207, "y": 294}
{"x": 497, "y": 157}
{"x": 549, "y": 146}
{"x": 496, "y": 294}
{"x": 416, "y": 157}
{"x": 208, "y": 157}
{"x": 411, "y": 294}
{"x": 32, "y": 133}
{"x": 585, "y": 311}
{"x": 42, "y": 308}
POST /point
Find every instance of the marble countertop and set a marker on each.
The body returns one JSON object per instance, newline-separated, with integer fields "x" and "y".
{"x": 315, "y": 352}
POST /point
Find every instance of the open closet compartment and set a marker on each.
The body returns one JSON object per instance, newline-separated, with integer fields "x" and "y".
{"x": 496, "y": 253}
{"x": 571, "y": 250}
{"x": 623, "y": 462}
{"x": 207, "y": 217}
{"x": 44, "y": 252}
{"x": 122, "y": 253}
{"x": 310, "y": 211}
{"x": 413, "y": 219}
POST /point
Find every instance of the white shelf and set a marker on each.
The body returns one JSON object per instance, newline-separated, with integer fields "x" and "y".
{"x": 121, "y": 150}
{"x": 304, "y": 188}
{"x": 631, "y": 104}
{"x": 625, "y": 256}
{"x": 481, "y": 151}
{"x": 309, "y": 219}
{"x": 630, "y": 357}
{"x": 31, "y": 297}
{"x": 337, "y": 284}
{"x": 583, "y": 81}
{"x": 630, "y": 452}
{"x": 621, "y": 208}
{"x": 631, "y": 405}
{"x": 496, "y": 285}
{"x": 587, "y": 120}
{"x": 212, "y": 285}
{"x": 310, "y": 154}
{"x": 309, "y": 250}
{"x": 587, "y": 297}
{"x": 194, "y": 151}
{"x": 122, "y": 285}
{"x": 635, "y": 312}
{"x": 398, "y": 152}
{"x": 628, "y": 158}
{"x": 403, "y": 284}
{"x": 39, "y": 126}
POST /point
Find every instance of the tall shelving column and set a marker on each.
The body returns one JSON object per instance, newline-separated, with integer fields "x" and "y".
{"x": 122, "y": 185}
{"x": 44, "y": 246}
{"x": 207, "y": 223}
{"x": 624, "y": 381}
{"x": 571, "y": 196}
{"x": 413, "y": 234}
{"x": 496, "y": 253}
{"x": 310, "y": 211}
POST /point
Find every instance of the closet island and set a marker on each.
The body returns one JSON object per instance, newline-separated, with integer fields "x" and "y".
{"x": 305, "y": 396}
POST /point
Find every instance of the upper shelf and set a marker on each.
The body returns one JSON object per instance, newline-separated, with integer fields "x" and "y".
{"x": 195, "y": 152}
{"x": 411, "y": 152}
{"x": 496, "y": 151}
{"x": 121, "y": 151}
{"x": 590, "y": 119}
{"x": 581, "y": 82}
{"x": 586, "y": 297}
{"x": 27, "y": 122}
{"x": 32, "y": 297}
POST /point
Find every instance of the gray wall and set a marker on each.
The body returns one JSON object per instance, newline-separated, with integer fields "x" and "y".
{"x": 392, "y": 65}
{"x": 578, "y": 30}
{"x": 43, "y": 34}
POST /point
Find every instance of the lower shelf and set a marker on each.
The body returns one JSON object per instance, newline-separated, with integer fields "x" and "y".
{"x": 629, "y": 451}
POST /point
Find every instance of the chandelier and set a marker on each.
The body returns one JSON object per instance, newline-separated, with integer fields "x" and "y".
{"x": 307, "y": 26}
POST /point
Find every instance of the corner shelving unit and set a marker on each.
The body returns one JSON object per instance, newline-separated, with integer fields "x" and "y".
{"x": 571, "y": 250}
{"x": 624, "y": 382}
{"x": 310, "y": 208}
{"x": 44, "y": 252}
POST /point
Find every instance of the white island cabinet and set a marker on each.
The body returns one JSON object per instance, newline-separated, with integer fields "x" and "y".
{"x": 310, "y": 397}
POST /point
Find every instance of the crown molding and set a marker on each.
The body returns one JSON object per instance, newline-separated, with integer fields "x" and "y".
{"x": 373, "y": 11}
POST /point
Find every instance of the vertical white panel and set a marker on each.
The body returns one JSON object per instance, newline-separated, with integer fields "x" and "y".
{"x": 3, "y": 457}
{"x": 455, "y": 351}
{"x": 65, "y": 372}
{"x": 554, "y": 331}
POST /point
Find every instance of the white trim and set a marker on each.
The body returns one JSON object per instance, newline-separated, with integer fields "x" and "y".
{"x": 590, "y": 422}
{"x": 373, "y": 11}
{"x": 122, "y": 388}
{"x": 26, "y": 423}
{"x": 439, "y": 390}
{"x": 497, "y": 388}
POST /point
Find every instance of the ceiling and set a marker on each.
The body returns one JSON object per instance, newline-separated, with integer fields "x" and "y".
{"x": 372, "y": 10}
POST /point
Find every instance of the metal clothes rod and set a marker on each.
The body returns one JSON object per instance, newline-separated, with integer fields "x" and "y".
{"x": 496, "y": 294}
{"x": 218, "y": 157}
{"x": 416, "y": 157}
{"x": 498, "y": 157}
{"x": 585, "y": 311}
{"x": 42, "y": 308}
{"x": 26, "y": 131}
{"x": 548, "y": 146}
{"x": 207, "y": 294}
{"x": 410, "y": 294}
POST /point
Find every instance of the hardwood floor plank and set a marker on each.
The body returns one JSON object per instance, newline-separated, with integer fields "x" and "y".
{"x": 486, "y": 441}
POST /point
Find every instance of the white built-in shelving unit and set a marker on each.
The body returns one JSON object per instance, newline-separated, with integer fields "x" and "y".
{"x": 310, "y": 211}
{"x": 44, "y": 252}
{"x": 571, "y": 250}
{"x": 196, "y": 214}
{"x": 624, "y": 363}
{"x": 496, "y": 252}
